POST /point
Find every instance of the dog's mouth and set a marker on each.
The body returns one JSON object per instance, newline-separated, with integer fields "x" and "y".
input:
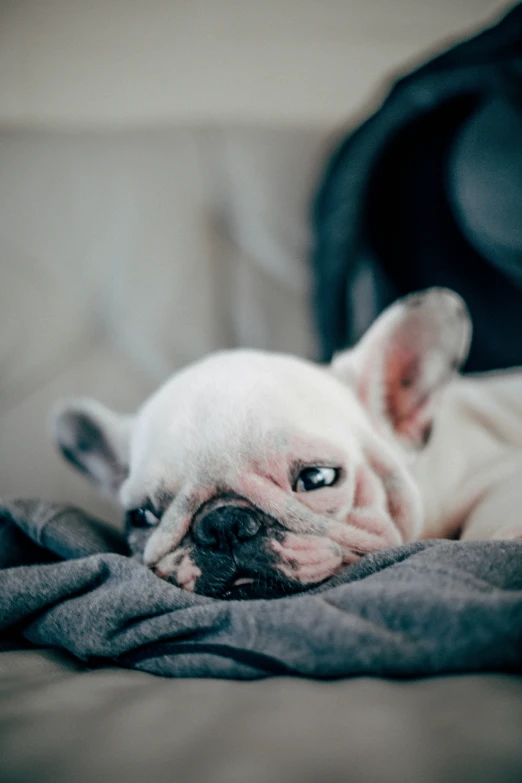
{"x": 244, "y": 586}
{"x": 242, "y": 589}
{"x": 252, "y": 567}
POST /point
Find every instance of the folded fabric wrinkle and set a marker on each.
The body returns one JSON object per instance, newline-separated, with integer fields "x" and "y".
{"x": 426, "y": 608}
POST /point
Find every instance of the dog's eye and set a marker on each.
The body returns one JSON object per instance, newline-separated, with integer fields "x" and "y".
{"x": 316, "y": 478}
{"x": 141, "y": 517}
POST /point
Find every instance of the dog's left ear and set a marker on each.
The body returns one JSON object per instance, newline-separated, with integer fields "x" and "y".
{"x": 403, "y": 362}
{"x": 95, "y": 440}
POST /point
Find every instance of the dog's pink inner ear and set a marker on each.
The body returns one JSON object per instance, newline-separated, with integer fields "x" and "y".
{"x": 401, "y": 365}
{"x": 400, "y": 376}
{"x": 407, "y": 402}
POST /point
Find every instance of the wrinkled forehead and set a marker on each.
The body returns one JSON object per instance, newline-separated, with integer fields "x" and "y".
{"x": 236, "y": 408}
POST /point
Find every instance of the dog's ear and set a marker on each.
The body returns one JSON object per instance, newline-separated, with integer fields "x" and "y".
{"x": 405, "y": 359}
{"x": 95, "y": 440}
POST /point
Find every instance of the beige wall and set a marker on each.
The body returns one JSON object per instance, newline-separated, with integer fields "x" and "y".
{"x": 105, "y": 62}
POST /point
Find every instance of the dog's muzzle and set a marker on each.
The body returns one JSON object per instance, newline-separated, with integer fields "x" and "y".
{"x": 224, "y": 528}
{"x": 231, "y": 546}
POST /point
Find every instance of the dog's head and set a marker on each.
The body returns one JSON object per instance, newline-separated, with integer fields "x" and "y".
{"x": 251, "y": 474}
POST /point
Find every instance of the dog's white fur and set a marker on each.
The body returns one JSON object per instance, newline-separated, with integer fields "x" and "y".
{"x": 243, "y": 422}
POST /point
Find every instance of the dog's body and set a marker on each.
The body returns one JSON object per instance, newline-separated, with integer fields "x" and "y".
{"x": 254, "y": 475}
{"x": 470, "y": 473}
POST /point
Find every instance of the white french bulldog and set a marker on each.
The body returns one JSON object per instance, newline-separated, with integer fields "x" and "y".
{"x": 251, "y": 475}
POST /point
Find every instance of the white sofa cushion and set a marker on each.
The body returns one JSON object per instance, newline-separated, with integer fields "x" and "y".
{"x": 130, "y": 62}
{"x": 126, "y": 255}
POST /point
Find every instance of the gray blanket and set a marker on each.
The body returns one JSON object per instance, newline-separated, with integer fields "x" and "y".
{"x": 426, "y": 608}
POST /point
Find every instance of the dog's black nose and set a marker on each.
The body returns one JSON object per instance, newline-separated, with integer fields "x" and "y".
{"x": 225, "y": 526}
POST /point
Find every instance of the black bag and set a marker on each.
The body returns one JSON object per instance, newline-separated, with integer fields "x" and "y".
{"x": 428, "y": 191}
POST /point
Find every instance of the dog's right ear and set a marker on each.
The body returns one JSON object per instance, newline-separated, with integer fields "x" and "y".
{"x": 95, "y": 440}
{"x": 401, "y": 365}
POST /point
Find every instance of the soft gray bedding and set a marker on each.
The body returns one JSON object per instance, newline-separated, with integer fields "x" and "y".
{"x": 425, "y": 608}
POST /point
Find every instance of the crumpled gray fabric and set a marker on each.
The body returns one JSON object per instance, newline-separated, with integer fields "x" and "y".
{"x": 424, "y": 608}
